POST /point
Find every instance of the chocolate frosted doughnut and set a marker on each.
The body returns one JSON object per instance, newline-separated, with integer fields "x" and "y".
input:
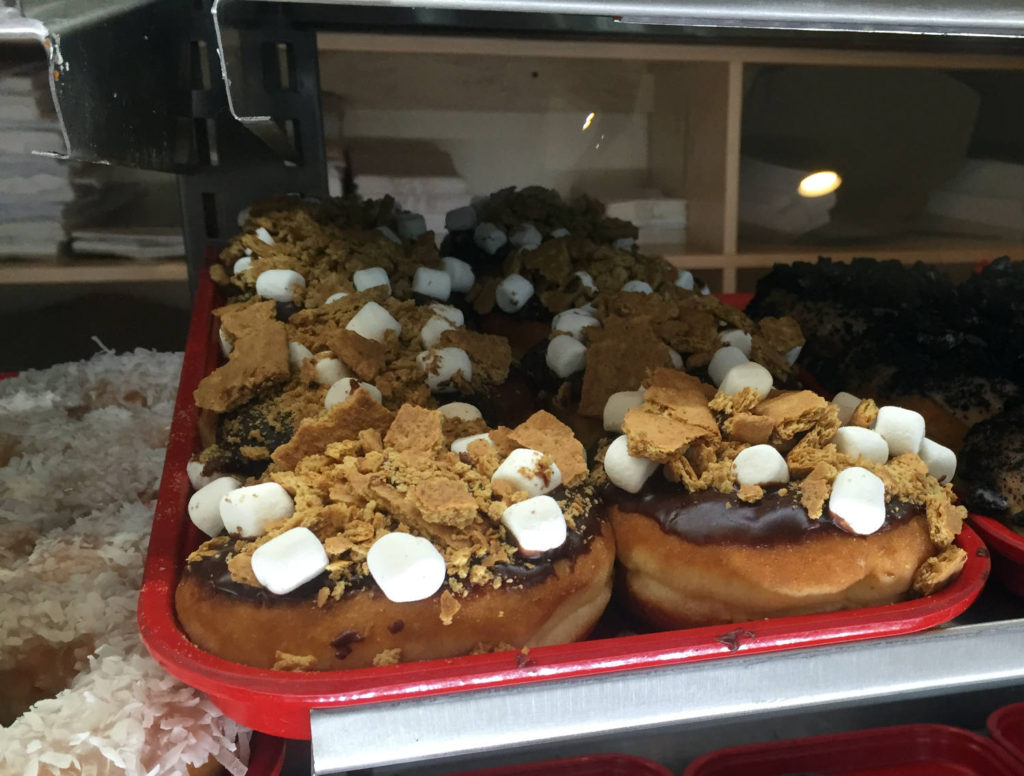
{"x": 991, "y": 476}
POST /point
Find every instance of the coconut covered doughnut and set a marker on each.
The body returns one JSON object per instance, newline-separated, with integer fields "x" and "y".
{"x": 414, "y": 545}
{"x": 735, "y": 507}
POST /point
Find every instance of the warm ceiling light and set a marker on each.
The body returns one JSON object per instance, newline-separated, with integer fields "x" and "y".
{"x": 818, "y": 184}
{"x": 586, "y": 122}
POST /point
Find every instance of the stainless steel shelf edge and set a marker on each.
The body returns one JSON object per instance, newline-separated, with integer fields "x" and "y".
{"x": 109, "y": 109}
{"x": 936, "y": 662}
{"x": 1004, "y": 18}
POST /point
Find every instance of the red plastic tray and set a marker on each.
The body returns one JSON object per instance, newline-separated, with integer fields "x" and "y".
{"x": 266, "y": 757}
{"x": 902, "y": 750}
{"x": 1007, "y": 548}
{"x": 589, "y": 765}
{"x": 1006, "y": 726}
{"x": 279, "y": 703}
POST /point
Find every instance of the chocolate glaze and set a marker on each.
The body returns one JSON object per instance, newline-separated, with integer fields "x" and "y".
{"x": 343, "y": 642}
{"x": 212, "y": 570}
{"x": 710, "y": 517}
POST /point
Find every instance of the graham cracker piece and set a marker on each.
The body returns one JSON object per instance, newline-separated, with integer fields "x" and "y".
{"x": 750, "y": 493}
{"x": 415, "y": 429}
{"x": 484, "y": 457}
{"x": 865, "y": 414}
{"x": 449, "y": 607}
{"x": 366, "y": 357}
{"x": 939, "y": 570}
{"x": 796, "y": 411}
{"x": 944, "y": 518}
{"x": 240, "y": 568}
{"x": 260, "y": 356}
{"x": 445, "y": 501}
{"x": 690, "y": 331}
{"x": 244, "y": 317}
{"x": 543, "y": 431}
{"x": 742, "y": 402}
{"x": 657, "y": 436}
{"x": 342, "y": 421}
{"x": 781, "y": 334}
{"x": 816, "y": 488}
{"x": 805, "y": 457}
{"x": 490, "y": 354}
{"x": 682, "y": 398}
{"x": 749, "y": 428}
{"x": 618, "y": 359}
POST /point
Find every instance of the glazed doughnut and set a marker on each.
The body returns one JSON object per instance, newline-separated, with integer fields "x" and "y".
{"x": 770, "y": 507}
{"x": 382, "y": 475}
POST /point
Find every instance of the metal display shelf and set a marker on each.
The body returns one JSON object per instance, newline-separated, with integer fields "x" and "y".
{"x": 959, "y": 658}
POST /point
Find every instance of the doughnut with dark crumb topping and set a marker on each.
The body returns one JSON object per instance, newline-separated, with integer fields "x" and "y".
{"x": 740, "y": 507}
{"x": 370, "y": 480}
{"x": 991, "y": 476}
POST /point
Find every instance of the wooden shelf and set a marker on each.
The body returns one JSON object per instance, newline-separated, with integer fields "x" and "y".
{"x": 83, "y": 271}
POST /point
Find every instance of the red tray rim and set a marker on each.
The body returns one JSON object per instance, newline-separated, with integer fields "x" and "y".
{"x": 287, "y": 697}
{"x": 584, "y": 765}
{"x": 895, "y": 738}
{"x": 999, "y": 537}
{"x": 997, "y": 723}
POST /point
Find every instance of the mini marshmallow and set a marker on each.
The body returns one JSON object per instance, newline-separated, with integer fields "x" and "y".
{"x": 760, "y": 465}
{"x": 565, "y": 355}
{"x": 705, "y": 291}
{"x": 226, "y": 345}
{"x": 489, "y": 238}
{"x": 461, "y": 445}
{"x": 330, "y": 370}
{"x": 513, "y": 293}
{"x": 335, "y": 297}
{"x": 857, "y": 503}
{"x": 903, "y": 429}
{"x": 460, "y": 410}
{"x": 432, "y": 330}
{"x": 461, "y": 274}
{"x": 626, "y": 471}
{"x": 194, "y": 470}
{"x": 855, "y": 441}
{"x": 638, "y": 287}
{"x": 560, "y": 231}
{"x": 525, "y": 470}
{"x": 940, "y": 460}
{"x": 243, "y": 216}
{"x": 345, "y": 387}
{"x": 738, "y": 339}
{"x": 279, "y": 284}
{"x": 289, "y": 560}
{"x": 411, "y": 225}
{"x": 435, "y": 283}
{"x": 460, "y": 219}
{"x": 526, "y": 236}
{"x": 723, "y": 360}
{"x": 371, "y": 277}
{"x": 586, "y": 280}
{"x": 847, "y": 403}
{"x": 204, "y": 505}
{"x": 264, "y": 235}
{"x": 373, "y": 322}
{"x": 537, "y": 524}
{"x": 573, "y": 322}
{"x": 624, "y": 243}
{"x": 441, "y": 366}
{"x": 297, "y": 353}
{"x": 748, "y": 375}
{"x": 249, "y": 510}
{"x": 241, "y": 265}
{"x": 684, "y": 279}
{"x": 453, "y": 314}
{"x": 675, "y": 359}
{"x": 406, "y": 568}
{"x": 389, "y": 234}
{"x": 617, "y": 406}
{"x": 793, "y": 354}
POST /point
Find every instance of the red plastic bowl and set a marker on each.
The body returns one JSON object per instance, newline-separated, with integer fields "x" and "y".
{"x": 279, "y": 703}
{"x": 1006, "y": 726}
{"x": 590, "y": 765}
{"x": 902, "y": 750}
{"x": 1007, "y": 548}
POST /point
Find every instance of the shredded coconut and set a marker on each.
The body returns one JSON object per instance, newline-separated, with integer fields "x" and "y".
{"x": 84, "y": 445}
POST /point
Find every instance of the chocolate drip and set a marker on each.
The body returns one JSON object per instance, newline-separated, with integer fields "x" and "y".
{"x": 343, "y": 642}
{"x": 710, "y": 517}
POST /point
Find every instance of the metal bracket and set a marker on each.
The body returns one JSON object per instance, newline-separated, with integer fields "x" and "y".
{"x": 117, "y": 77}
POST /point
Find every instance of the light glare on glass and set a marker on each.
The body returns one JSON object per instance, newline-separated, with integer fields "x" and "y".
{"x": 819, "y": 184}
{"x": 586, "y": 122}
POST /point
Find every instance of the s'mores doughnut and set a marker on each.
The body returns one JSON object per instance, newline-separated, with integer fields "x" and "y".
{"x": 381, "y": 537}
{"x": 764, "y": 503}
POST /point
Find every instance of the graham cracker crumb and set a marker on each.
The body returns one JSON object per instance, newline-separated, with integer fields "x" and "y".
{"x": 750, "y": 493}
{"x": 449, "y": 607}
{"x": 283, "y": 661}
{"x": 388, "y": 657}
{"x": 816, "y": 488}
{"x": 865, "y": 414}
{"x": 748, "y": 428}
{"x": 240, "y": 568}
{"x": 938, "y": 571}
{"x": 793, "y": 412}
